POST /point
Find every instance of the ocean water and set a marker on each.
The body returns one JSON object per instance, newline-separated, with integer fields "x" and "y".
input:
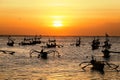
{"x": 21, "y": 67}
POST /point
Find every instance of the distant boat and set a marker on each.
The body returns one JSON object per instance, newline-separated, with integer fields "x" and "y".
{"x": 95, "y": 44}
{"x": 78, "y": 41}
{"x": 106, "y": 53}
{"x": 107, "y": 42}
{"x": 51, "y": 43}
{"x": 10, "y": 42}
{"x": 36, "y": 40}
{"x": 30, "y": 41}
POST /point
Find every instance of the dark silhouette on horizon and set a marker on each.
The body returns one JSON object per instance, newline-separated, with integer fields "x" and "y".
{"x": 10, "y": 41}
{"x": 78, "y": 41}
{"x": 99, "y": 65}
{"x": 95, "y": 44}
{"x": 44, "y": 54}
{"x": 31, "y": 41}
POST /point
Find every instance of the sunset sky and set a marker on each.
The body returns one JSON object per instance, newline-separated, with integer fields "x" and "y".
{"x": 60, "y": 17}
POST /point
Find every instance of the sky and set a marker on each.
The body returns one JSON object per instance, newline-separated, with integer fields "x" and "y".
{"x": 60, "y": 17}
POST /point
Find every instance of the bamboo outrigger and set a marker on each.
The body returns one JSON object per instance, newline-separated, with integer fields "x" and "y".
{"x": 7, "y": 52}
{"x": 99, "y": 65}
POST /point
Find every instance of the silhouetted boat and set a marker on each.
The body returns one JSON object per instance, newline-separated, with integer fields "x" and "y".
{"x": 51, "y": 43}
{"x": 36, "y": 40}
{"x": 106, "y": 53}
{"x": 10, "y": 42}
{"x": 99, "y": 65}
{"x": 95, "y": 44}
{"x": 23, "y": 43}
{"x": 30, "y": 41}
{"x": 78, "y": 41}
{"x": 107, "y": 42}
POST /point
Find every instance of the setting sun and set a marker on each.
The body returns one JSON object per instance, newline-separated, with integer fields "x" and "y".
{"x": 57, "y": 24}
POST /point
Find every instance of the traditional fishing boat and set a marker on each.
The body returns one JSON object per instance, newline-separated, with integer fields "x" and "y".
{"x": 107, "y": 43}
{"x": 99, "y": 65}
{"x": 95, "y": 44}
{"x": 78, "y": 41}
{"x": 51, "y": 43}
{"x": 106, "y": 53}
{"x": 30, "y": 41}
{"x": 10, "y": 42}
{"x": 44, "y": 54}
{"x": 7, "y": 52}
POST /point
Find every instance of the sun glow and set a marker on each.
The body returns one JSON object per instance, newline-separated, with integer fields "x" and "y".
{"x": 57, "y": 23}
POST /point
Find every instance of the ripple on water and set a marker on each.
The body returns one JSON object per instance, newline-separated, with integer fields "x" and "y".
{"x": 21, "y": 67}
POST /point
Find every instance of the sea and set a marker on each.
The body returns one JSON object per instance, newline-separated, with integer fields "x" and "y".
{"x": 66, "y": 67}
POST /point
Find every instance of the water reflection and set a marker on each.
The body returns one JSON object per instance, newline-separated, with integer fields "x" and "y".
{"x": 21, "y": 67}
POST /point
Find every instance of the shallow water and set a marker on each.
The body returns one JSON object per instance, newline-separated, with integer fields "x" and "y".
{"x": 21, "y": 67}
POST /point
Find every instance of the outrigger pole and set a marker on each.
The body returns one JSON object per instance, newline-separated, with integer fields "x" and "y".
{"x": 7, "y": 52}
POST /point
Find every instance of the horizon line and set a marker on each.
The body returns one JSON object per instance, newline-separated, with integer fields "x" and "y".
{"x": 6, "y": 35}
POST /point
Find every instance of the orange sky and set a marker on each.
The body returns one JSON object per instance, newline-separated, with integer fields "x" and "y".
{"x": 75, "y": 17}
